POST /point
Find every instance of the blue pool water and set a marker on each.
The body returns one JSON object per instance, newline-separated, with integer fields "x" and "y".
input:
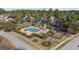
{"x": 32, "y": 29}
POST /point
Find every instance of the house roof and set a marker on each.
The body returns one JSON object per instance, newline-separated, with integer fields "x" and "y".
{"x": 58, "y": 34}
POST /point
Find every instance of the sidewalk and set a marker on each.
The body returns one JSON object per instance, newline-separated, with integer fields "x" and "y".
{"x": 62, "y": 44}
{"x": 27, "y": 41}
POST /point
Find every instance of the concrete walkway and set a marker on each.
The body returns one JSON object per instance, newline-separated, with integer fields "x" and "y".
{"x": 19, "y": 44}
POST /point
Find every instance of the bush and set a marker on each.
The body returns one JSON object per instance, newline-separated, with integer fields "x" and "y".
{"x": 46, "y": 44}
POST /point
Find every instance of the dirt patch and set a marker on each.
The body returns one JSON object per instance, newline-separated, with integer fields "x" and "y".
{"x": 5, "y": 44}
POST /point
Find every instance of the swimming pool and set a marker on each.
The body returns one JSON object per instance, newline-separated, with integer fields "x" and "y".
{"x": 32, "y": 29}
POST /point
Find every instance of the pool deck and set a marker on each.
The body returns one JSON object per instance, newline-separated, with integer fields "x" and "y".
{"x": 32, "y": 29}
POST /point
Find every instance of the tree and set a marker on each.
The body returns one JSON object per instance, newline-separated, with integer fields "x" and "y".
{"x": 2, "y": 11}
{"x": 50, "y": 12}
{"x": 46, "y": 44}
{"x": 56, "y": 14}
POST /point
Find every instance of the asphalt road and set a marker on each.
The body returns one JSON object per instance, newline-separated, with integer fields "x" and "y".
{"x": 73, "y": 45}
{"x": 19, "y": 44}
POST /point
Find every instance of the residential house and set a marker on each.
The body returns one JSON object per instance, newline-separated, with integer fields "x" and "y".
{"x": 58, "y": 35}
